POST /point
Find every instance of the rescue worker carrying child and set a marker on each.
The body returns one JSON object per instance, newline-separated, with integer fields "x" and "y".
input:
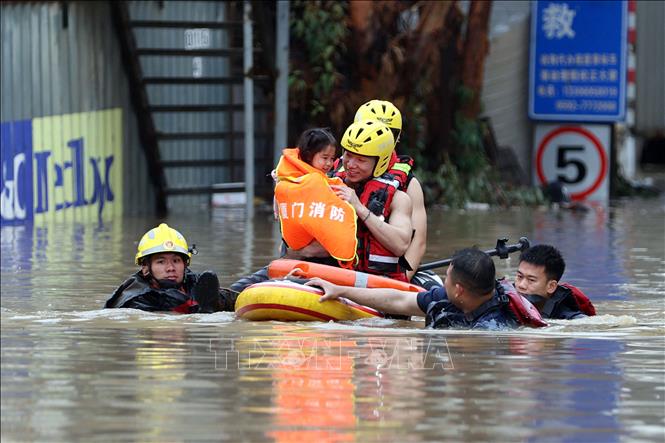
{"x": 384, "y": 212}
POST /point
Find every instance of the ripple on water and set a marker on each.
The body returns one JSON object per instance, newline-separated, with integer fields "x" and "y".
{"x": 72, "y": 371}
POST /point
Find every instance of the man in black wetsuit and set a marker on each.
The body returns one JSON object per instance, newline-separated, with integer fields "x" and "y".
{"x": 165, "y": 283}
{"x": 471, "y": 298}
{"x": 538, "y": 274}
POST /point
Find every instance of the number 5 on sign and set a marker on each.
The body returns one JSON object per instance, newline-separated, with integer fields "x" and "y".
{"x": 575, "y": 155}
{"x": 565, "y": 154}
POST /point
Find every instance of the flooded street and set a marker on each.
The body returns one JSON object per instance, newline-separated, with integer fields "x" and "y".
{"x": 72, "y": 371}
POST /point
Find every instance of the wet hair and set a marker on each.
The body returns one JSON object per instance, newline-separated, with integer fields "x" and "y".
{"x": 474, "y": 270}
{"x": 313, "y": 141}
{"x": 547, "y": 256}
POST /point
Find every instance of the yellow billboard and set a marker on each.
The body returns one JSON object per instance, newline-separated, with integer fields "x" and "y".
{"x": 77, "y": 166}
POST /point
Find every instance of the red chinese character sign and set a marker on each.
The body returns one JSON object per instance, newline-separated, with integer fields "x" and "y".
{"x": 575, "y": 155}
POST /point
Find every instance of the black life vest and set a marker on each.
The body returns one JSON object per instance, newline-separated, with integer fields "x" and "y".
{"x": 138, "y": 289}
{"x": 505, "y": 305}
{"x": 583, "y": 302}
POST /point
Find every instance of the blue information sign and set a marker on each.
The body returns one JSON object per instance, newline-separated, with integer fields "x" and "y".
{"x": 578, "y": 60}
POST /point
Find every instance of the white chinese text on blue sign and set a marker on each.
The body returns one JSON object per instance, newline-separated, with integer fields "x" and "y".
{"x": 578, "y": 60}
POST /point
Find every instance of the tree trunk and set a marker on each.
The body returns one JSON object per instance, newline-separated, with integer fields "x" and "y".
{"x": 476, "y": 47}
{"x": 440, "y": 107}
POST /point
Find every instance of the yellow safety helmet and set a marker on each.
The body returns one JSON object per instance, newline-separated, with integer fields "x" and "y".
{"x": 383, "y": 111}
{"x": 370, "y": 138}
{"x": 162, "y": 239}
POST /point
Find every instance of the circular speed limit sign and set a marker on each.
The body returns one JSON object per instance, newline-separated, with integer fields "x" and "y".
{"x": 577, "y": 156}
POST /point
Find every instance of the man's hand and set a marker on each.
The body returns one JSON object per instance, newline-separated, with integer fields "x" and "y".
{"x": 389, "y": 300}
{"x": 348, "y": 195}
{"x": 330, "y": 291}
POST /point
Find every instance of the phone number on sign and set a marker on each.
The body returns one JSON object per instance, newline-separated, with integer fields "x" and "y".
{"x": 585, "y": 105}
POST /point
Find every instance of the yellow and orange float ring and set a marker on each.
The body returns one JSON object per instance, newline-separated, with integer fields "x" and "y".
{"x": 285, "y": 300}
{"x": 344, "y": 277}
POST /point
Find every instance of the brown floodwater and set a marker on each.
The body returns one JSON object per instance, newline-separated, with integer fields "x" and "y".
{"x": 72, "y": 371}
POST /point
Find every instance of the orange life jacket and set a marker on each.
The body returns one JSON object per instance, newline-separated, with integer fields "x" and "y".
{"x": 309, "y": 209}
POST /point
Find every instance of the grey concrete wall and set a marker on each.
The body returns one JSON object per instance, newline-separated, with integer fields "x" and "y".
{"x": 505, "y": 90}
{"x": 650, "y": 67}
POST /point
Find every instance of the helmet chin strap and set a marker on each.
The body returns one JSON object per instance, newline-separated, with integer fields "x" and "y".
{"x": 163, "y": 283}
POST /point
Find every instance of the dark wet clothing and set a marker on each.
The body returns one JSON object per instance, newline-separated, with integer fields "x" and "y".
{"x": 426, "y": 279}
{"x": 561, "y": 305}
{"x": 259, "y": 276}
{"x": 442, "y": 313}
{"x": 137, "y": 293}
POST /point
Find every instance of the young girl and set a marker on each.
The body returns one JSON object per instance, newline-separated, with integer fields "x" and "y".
{"x": 307, "y": 208}
{"x": 318, "y": 148}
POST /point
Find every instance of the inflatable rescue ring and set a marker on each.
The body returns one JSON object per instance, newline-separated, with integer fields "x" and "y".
{"x": 345, "y": 277}
{"x": 285, "y": 300}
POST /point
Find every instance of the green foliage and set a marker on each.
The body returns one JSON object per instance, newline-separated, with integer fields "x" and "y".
{"x": 469, "y": 177}
{"x": 464, "y": 95}
{"x": 470, "y": 158}
{"x": 412, "y": 140}
{"x": 321, "y": 26}
{"x": 453, "y": 171}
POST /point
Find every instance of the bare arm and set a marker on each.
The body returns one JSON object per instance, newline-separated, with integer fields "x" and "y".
{"x": 395, "y": 233}
{"x": 392, "y": 301}
{"x": 414, "y": 254}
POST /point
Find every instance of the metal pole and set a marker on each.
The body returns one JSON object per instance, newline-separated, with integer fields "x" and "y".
{"x": 248, "y": 109}
{"x": 282, "y": 80}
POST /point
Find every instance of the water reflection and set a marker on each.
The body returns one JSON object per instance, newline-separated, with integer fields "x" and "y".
{"x": 303, "y": 370}
{"x": 72, "y": 371}
{"x": 16, "y": 243}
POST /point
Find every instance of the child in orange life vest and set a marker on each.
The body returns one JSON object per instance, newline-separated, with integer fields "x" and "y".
{"x": 314, "y": 156}
{"x": 318, "y": 148}
{"x": 312, "y": 217}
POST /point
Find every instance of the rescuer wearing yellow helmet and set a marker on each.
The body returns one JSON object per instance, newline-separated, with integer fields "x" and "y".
{"x": 383, "y": 111}
{"x": 384, "y": 212}
{"x": 165, "y": 283}
{"x": 401, "y": 168}
{"x": 384, "y": 223}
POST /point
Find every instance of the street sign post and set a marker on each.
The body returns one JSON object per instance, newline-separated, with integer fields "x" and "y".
{"x": 577, "y": 66}
{"x": 575, "y": 155}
